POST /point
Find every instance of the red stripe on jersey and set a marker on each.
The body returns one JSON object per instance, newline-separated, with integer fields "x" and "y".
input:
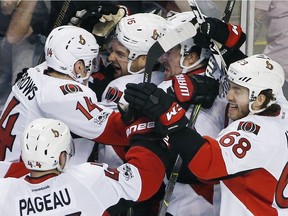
{"x": 114, "y": 132}
{"x": 208, "y": 163}
{"x": 204, "y": 190}
{"x": 255, "y": 190}
{"x": 17, "y": 170}
{"x": 150, "y": 167}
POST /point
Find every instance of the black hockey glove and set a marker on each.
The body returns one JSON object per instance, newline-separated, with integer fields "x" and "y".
{"x": 195, "y": 89}
{"x": 229, "y": 35}
{"x": 154, "y": 103}
{"x": 128, "y": 115}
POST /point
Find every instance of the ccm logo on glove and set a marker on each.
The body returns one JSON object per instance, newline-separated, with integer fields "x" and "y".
{"x": 174, "y": 114}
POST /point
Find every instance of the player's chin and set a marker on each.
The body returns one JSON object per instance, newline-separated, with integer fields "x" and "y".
{"x": 167, "y": 74}
{"x": 117, "y": 73}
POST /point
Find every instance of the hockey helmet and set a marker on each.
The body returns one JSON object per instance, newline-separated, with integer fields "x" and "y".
{"x": 138, "y": 33}
{"x": 173, "y": 22}
{"x": 257, "y": 73}
{"x": 42, "y": 143}
{"x": 66, "y": 45}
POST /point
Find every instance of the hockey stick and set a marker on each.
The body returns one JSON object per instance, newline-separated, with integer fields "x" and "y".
{"x": 196, "y": 109}
{"x": 58, "y": 22}
{"x": 165, "y": 43}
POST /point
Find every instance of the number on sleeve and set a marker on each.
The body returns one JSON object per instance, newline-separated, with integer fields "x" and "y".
{"x": 281, "y": 200}
{"x": 6, "y": 137}
{"x": 90, "y": 107}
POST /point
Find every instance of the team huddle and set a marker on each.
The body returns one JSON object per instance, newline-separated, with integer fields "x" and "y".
{"x": 70, "y": 148}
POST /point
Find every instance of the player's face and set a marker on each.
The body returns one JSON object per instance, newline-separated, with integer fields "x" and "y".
{"x": 119, "y": 59}
{"x": 171, "y": 62}
{"x": 238, "y": 98}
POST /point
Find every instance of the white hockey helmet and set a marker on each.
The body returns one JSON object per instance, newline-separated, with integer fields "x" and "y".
{"x": 138, "y": 33}
{"x": 173, "y": 22}
{"x": 65, "y": 45}
{"x": 257, "y": 73}
{"x": 42, "y": 143}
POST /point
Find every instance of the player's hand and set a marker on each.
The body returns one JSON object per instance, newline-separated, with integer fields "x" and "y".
{"x": 99, "y": 19}
{"x": 195, "y": 89}
{"x": 229, "y": 35}
{"x": 156, "y": 104}
{"x": 128, "y": 115}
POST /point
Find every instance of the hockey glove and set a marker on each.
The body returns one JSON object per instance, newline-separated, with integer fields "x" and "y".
{"x": 99, "y": 20}
{"x": 154, "y": 103}
{"x": 195, "y": 89}
{"x": 229, "y": 35}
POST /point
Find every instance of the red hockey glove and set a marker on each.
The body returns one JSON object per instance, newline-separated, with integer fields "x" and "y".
{"x": 154, "y": 103}
{"x": 195, "y": 89}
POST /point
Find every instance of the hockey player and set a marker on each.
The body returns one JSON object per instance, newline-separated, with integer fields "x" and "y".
{"x": 134, "y": 36}
{"x": 184, "y": 58}
{"x": 249, "y": 157}
{"x": 182, "y": 62}
{"x": 58, "y": 89}
{"x": 86, "y": 189}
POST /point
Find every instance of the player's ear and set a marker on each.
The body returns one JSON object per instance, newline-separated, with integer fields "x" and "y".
{"x": 191, "y": 58}
{"x": 142, "y": 61}
{"x": 62, "y": 159}
{"x": 79, "y": 67}
{"x": 258, "y": 103}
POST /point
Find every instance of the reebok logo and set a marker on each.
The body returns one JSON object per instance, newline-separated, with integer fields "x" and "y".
{"x": 140, "y": 128}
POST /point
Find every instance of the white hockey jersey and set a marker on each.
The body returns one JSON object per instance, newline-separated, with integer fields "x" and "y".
{"x": 38, "y": 95}
{"x": 114, "y": 93}
{"x": 202, "y": 199}
{"x": 253, "y": 151}
{"x": 86, "y": 189}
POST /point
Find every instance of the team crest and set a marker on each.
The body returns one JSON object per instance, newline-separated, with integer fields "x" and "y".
{"x": 70, "y": 89}
{"x": 55, "y": 132}
{"x": 155, "y": 35}
{"x": 269, "y": 65}
{"x": 249, "y": 127}
{"x": 113, "y": 95}
{"x": 82, "y": 41}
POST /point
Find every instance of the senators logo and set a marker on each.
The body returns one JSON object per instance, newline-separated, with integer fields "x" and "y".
{"x": 155, "y": 35}
{"x": 249, "y": 127}
{"x": 269, "y": 65}
{"x": 113, "y": 95}
{"x": 70, "y": 89}
{"x": 82, "y": 41}
{"x": 55, "y": 132}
